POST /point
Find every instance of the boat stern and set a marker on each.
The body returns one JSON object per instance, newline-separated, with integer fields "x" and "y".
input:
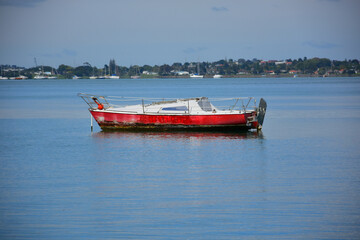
{"x": 255, "y": 120}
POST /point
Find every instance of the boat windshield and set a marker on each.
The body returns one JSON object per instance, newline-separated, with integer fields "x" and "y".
{"x": 205, "y": 105}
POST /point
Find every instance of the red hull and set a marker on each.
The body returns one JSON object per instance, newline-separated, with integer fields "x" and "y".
{"x": 110, "y": 120}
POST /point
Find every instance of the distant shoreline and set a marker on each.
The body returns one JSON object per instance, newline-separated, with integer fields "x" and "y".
{"x": 259, "y": 76}
{"x": 241, "y": 68}
{"x": 205, "y": 77}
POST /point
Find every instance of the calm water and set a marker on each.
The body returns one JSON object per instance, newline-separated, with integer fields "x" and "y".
{"x": 298, "y": 179}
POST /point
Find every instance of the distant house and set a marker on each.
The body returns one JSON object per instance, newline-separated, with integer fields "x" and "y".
{"x": 341, "y": 71}
{"x": 181, "y": 73}
{"x": 272, "y": 61}
{"x": 149, "y": 73}
{"x": 293, "y": 71}
{"x": 283, "y": 62}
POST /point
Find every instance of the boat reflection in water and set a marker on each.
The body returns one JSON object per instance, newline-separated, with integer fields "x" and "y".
{"x": 180, "y": 135}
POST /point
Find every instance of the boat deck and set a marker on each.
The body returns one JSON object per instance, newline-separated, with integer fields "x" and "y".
{"x": 192, "y": 106}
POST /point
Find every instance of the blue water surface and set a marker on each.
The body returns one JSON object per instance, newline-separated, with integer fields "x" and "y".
{"x": 297, "y": 179}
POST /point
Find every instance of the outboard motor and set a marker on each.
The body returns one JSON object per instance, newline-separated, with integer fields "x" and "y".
{"x": 261, "y": 112}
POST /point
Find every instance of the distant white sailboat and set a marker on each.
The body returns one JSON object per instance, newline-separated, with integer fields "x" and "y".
{"x": 114, "y": 77}
{"x": 137, "y": 76}
{"x": 103, "y": 76}
{"x": 41, "y": 74}
{"x": 40, "y": 77}
{"x": 197, "y": 75}
{"x": 93, "y": 75}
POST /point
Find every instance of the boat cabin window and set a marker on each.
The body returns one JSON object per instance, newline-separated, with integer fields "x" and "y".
{"x": 205, "y": 105}
{"x": 177, "y": 108}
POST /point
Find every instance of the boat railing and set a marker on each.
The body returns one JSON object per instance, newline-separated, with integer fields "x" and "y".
{"x": 95, "y": 101}
{"x": 223, "y": 104}
{"x": 235, "y": 104}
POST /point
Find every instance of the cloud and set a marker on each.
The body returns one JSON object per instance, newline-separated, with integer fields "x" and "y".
{"x": 63, "y": 53}
{"x": 329, "y": 0}
{"x": 21, "y": 3}
{"x": 219, "y": 9}
{"x": 321, "y": 44}
{"x": 194, "y": 50}
{"x": 69, "y": 52}
{"x": 51, "y": 55}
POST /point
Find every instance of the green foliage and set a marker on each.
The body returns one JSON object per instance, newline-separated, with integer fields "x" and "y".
{"x": 66, "y": 71}
{"x": 112, "y": 67}
{"x": 83, "y": 71}
{"x": 165, "y": 70}
{"x": 320, "y": 66}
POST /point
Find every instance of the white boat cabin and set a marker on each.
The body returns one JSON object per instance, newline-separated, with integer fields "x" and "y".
{"x": 194, "y": 106}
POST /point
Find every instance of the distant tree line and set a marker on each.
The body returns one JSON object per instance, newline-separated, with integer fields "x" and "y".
{"x": 230, "y": 67}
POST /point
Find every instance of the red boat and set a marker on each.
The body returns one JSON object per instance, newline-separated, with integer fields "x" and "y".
{"x": 184, "y": 114}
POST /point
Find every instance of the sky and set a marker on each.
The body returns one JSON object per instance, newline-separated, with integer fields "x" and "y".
{"x": 156, "y": 32}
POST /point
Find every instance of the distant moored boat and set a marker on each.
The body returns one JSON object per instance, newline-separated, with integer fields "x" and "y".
{"x": 195, "y": 75}
{"x": 113, "y": 77}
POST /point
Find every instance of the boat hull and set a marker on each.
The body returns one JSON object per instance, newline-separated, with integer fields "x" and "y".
{"x": 113, "y": 120}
